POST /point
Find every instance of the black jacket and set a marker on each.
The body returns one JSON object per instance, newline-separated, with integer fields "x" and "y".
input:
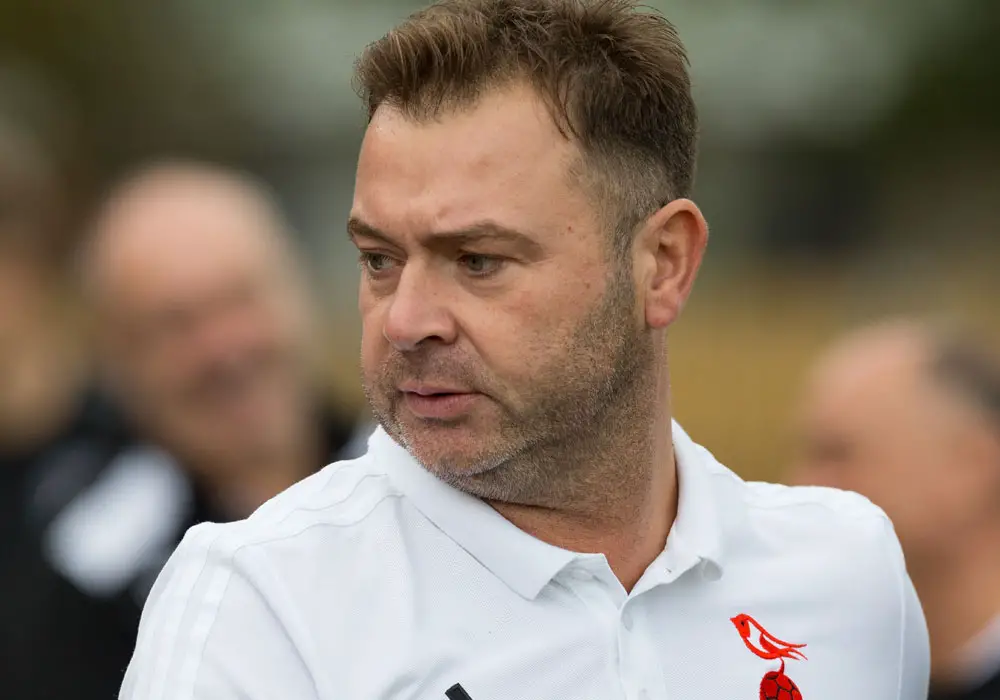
{"x": 76, "y": 575}
{"x": 990, "y": 690}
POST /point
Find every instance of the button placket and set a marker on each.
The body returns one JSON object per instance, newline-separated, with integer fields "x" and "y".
{"x": 628, "y": 621}
{"x": 590, "y": 590}
{"x": 639, "y": 664}
{"x": 630, "y": 661}
{"x": 598, "y": 599}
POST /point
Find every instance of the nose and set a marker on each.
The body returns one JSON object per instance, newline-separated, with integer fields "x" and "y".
{"x": 419, "y": 311}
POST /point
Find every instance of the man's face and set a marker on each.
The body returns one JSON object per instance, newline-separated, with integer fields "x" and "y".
{"x": 874, "y": 421}
{"x": 206, "y": 337}
{"x": 494, "y": 325}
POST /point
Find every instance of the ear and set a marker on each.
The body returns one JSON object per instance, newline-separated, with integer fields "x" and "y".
{"x": 667, "y": 254}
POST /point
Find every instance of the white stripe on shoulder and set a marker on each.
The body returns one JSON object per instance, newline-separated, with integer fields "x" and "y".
{"x": 213, "y": 587}
{"x": 343, "y": 493}
{"x": 188, "y": 588}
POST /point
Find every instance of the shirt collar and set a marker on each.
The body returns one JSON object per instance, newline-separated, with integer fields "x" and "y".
{"x": 525, "y": 563}
{"x": 698, "y": 530}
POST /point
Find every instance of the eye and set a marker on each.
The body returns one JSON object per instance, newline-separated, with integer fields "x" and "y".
{"x": 374, "y": 263}
{"x": 480, "y": 265}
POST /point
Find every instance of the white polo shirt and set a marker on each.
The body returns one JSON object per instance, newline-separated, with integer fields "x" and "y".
{"x": 373, "y": 580}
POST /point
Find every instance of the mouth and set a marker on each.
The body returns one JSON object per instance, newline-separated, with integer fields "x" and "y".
{"x": 438, "y": 402}
{"x": 432, "y": 389}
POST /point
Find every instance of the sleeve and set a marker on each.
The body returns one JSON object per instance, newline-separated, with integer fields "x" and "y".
{"x": 207, "y": 633}
{"x": 914, "y": 656}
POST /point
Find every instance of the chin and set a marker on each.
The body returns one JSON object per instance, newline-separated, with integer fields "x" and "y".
{"x": 448, "y": 456}
{"x": 444, "y": 447}
{"x": 437, "y": 455}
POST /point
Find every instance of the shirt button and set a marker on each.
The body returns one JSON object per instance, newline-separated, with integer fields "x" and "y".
{"x": 627, "y": 620}
{"x": 643, "y": 694}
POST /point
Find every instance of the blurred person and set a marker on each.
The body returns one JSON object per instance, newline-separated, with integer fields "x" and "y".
{"x": 206, "y": 333}
{"x": 51, "y": 420}
{"x": 57, "y": 432}
{"x": 204, "y": 338}
{"x": 907, "y": 413}
{"x": 528, "y": 522}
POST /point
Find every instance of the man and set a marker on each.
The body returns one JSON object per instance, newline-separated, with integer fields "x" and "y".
{"x": 527, "y": 523}
{"x": 206, "y": 331}
{"x": 205, "y": 338}
{"x": 47, "y": 415}
{"x": 908, "y": 414}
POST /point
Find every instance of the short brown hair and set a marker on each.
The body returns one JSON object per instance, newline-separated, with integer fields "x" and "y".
{"x": 614, "y": 78}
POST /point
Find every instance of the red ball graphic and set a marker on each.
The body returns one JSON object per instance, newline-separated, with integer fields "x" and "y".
{"x": 777, "y": 686}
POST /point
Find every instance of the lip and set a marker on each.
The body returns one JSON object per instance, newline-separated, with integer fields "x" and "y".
{"x": 439, "y": 404}
{"x": 422, "y": 389}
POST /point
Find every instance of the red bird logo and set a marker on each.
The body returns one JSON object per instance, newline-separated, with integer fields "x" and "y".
{"x": 775, "y": 685}
{"x": 763, "y": 643}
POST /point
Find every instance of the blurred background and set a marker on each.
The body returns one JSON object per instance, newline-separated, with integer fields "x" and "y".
{"x": 849, "y": 162}
{"x": 850, "y": 169}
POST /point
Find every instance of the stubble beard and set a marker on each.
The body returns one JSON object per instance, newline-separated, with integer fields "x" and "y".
{"x": 586, "y": 415}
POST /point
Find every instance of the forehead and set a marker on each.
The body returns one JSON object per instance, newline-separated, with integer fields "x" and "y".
{"x": 873, "y": 383}
{"x": 500, "y": 159}
{"x": 163, "y": 251}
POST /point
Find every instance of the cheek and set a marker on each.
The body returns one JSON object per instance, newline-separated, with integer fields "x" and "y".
{"x": 374, "y": 346}
{"x": 916, "y": 496}
{"x": 518, "y": 339}
{"x": 947, "y": 497}
{"x": 175, "y": 371}
{"x": 370, "y": 348}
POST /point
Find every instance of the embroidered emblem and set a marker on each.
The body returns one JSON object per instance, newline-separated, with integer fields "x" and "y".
{"x": 775, "y": 685}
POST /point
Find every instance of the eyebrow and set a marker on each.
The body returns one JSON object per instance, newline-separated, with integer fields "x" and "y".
{"x": 477, "y": 232}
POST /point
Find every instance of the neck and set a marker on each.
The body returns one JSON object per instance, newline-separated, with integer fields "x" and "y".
{"x": 623, "y": 498}
{"x": 960, "y": 598}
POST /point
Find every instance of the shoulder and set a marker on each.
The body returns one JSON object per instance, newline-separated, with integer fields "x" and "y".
{"x": 333, "y": 514}
{"x": 791, "y": 515}
{"x": 843, "y": 529}
{"x": 835, "y": 547}
{"x": 818, "y": 509}
{"x": 230, "y": 593}
{"x": 335, "y": 503}
{"x": 827, "y": 539}
{"x": 837, "y": 553}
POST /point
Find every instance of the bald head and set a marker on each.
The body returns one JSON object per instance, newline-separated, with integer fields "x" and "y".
{"x": 175, "y": 223}
{"x": 889, "y": 412}
{"x": 202, "y": 320}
